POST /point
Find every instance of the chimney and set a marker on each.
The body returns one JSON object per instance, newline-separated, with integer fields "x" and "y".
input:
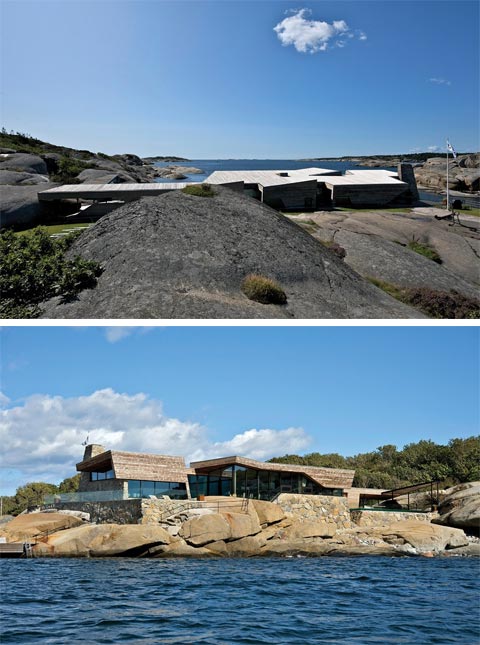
{"x": 92, "y": 450}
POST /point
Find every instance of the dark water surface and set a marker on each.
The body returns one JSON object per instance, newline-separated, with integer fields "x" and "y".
{"x": 239, "y": 601}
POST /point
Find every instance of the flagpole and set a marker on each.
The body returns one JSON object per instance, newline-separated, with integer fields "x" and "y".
{"x": 448, "y": 207}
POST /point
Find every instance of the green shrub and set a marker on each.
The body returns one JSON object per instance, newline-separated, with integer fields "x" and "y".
{"x": 199, "y": 190}
{"x": 425, "y": 250}
{"x": 33, "y": 268}
{"x": 68, "y": 169}
{"x": 264, "y": 290}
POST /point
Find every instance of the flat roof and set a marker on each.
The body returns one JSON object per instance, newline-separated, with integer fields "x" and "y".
{"x": 97, "y": 191}
{"x": 267, "y": 178}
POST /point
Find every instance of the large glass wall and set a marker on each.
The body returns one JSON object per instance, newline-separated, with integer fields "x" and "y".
{"x": 175, "y": 490}
{"x": 255, "y": 484}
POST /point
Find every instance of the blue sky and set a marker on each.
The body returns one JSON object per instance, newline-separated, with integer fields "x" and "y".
{"x": 212, "y": 391}
{"x": 213, "y": 79}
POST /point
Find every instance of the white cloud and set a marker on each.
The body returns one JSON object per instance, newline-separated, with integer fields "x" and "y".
{"x": 42, "y": 437}
{"x": 114, "y": 334}
{"x": 362, "y": 35}
{"x": 439, "y": 81}
{"x": 434, "y": 149}
{"x": 312, "y": 35}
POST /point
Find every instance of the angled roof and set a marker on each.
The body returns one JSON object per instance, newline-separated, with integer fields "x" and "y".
{"x": 326, "y": 477}
{"x": 136, "y": 465}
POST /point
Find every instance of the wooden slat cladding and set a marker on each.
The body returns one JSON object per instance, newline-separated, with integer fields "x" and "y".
{"x": 134, "y": 465}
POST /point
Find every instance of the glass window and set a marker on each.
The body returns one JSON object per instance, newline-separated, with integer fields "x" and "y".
{"x": 148, "y": 488}
{"x": 134, "y": 488}
{"x": 161, "y": 488}
{"x": 264, "y": 484}
{"x": 240, "y": 482}
{"x": 251, "y": 486}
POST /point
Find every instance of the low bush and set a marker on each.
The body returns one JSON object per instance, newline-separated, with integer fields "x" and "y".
{"x": 264, "y": 290}
{"x": 339, "y": 251}
{"x": 199, "y": 190}
{"x": 68, "y": 169}
{"x": 443, "y": 304}
{"x": 33, "y": 268}
{"x": 433, "y": 303}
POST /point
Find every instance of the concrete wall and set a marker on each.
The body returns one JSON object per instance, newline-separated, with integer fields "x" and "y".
{"x": 381, "y": 518}
{"x": 316, "y": 507}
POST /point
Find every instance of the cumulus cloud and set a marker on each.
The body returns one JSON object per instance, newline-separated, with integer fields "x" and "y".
{"x": 439, "y": 81}
{"x": 311, "y": 36}
{"x": 434, "y": 148}
{"x": 42, "y": 437}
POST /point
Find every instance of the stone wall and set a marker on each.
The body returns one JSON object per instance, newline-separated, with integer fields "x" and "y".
{"x": 316, "y": 507}
{"x": 126, "y": 511}
{"x": 153, "y": 510}
{"x": 382, "y": 518}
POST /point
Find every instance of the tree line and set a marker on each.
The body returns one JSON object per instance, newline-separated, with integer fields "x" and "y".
{"x": 387, "y": 467}
{"x": 32, "y": 494}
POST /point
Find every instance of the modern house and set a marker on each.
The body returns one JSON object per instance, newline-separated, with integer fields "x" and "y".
{"x": 127, "y": 475}
{"x": 311, "y": 188}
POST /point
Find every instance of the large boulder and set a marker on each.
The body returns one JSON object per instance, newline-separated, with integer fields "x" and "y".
{"x": 20, "y": 205}
{"x": 30, "y": 525}
{"x": 103, "y": 540}
{"x": 14, "y": 178}
{"x": 23, "y": 163}
{"x": 267, "y": 512}
{"x": 461, "y": 507}
{"x": 422, "y": 536}
{"x": 204, "y": 529}
{"x": 308, "y": 529}
{"x": 242, "y": 524}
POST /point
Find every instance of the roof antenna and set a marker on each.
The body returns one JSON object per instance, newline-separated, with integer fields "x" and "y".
{"x": 84, "y": 443}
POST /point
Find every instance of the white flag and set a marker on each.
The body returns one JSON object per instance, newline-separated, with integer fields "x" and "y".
{"x": 450, "y": 149}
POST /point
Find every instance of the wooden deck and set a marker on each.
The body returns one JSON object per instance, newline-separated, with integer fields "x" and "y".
{"x": 108, "y": 192}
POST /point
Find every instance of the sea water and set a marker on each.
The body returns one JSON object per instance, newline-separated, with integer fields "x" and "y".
{"x": 258, "y": 601}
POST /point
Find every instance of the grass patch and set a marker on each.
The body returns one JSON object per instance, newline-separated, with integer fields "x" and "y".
{"x": 425, "y": 250}
{"x": 199, "y": 190}
{"x": 433, "y": 303}
{"x": 264, "y": 290}
{"x": 53, "y": 229}
{"x": 469, "y": 210}
{"x": 373, "y": 209}
{"x": 33, "y": 268}
{"x": 68, "y": 169}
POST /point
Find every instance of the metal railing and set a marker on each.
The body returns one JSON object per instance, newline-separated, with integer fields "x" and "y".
{"x": 214, "y": 505}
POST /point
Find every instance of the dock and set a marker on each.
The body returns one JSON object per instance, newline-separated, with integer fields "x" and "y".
{"x": 16, "y": 550}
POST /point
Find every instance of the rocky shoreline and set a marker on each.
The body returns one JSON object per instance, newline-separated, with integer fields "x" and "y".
{"x": 261, "y": 529}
